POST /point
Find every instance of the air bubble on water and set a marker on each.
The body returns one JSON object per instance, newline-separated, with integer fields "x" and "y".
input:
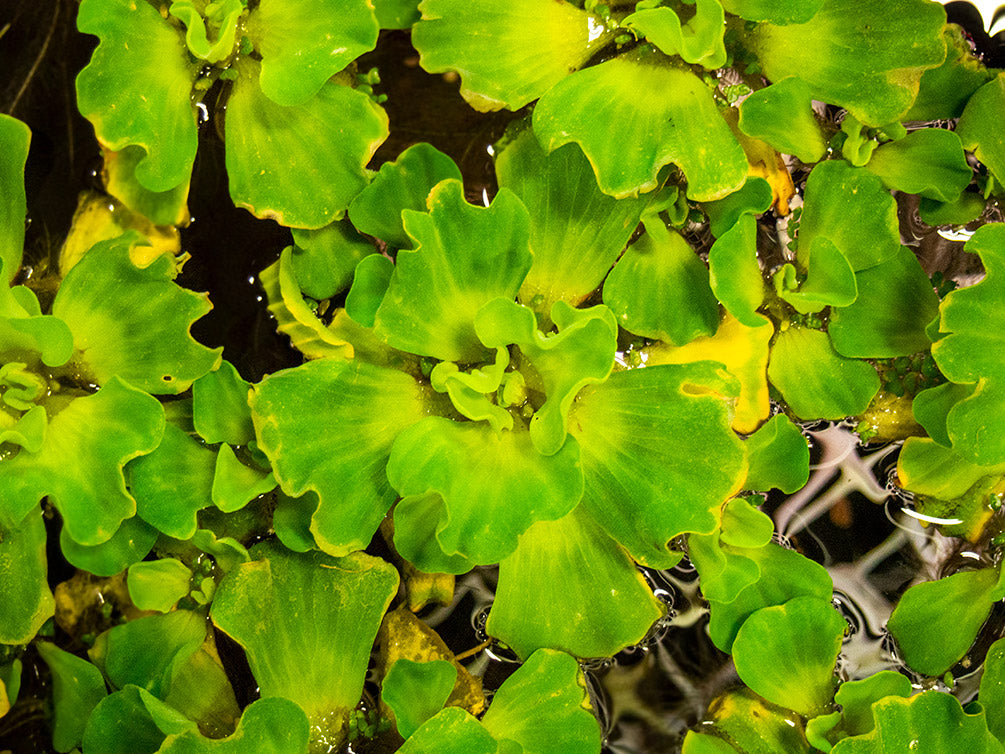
{"x": 203, "y": 112}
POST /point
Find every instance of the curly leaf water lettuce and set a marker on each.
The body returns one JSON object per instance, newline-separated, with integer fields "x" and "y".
{"x": 148, "y": 77}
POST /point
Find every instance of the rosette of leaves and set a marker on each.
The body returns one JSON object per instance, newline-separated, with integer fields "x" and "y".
{"x": 503, "y": 428}
{"x": 294, "y": 95}
{"x": 76, "y": 394}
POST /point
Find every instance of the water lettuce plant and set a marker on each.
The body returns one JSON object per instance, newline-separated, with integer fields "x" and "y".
{"x": 598, "y": 369}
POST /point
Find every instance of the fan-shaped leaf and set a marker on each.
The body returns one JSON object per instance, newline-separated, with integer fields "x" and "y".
{"x": 866, "y": 57}
{"x": 507, "y": 54}
{"x": 273, "y": 150}
{"x": 25, "y": 602}
{"x": 677, "y": 122}
{"x": 557, "y": 567}
{"x": 136, "y": 89}
{"x": 14, "y": 139}
{"x": 303, "y": 44}
{"x": 328, "y": 426}
{"x": 651, "y": 418}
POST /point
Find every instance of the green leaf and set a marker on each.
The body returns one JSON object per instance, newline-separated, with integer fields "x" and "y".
{"x": 80, "y": 465}
{"x": 744, "y": 525}
{"x": 77, "y": 688}
{"x": 225, "y": 16}
{"x": 968, "y": 207}
{"x": 784, "y": 575}
{"x": 28, "y": 431}
{"x": 299, "y": 646}
{"x": 935, "y": 622}
{"x": 327, "y": 426}
{"x": 292, "y": 521}
{"x": 161, "y": 207}
{"x": 136, "y": 89}
{"x": 968, "y": 353}
{"x": 149, "y": 652}
{"x": 699, "y": 41}
{"x": 415, "y": 691}
{"x": 786, "y": 653}
{"x": 931, "y": 408}
{"x": 734, "y": 273}
{"x": 815, "y": 380}
{"x": 979, "y": 130}
{"x": 774, "y": 11}
{"x": 220, "y": 410}
{"x": 544, "y": 707}
{"x": 503, "y": 59}
{"x": 23, "y": 327}
{"x": 295, "y": 318}
{"x": 725, "y": 571}
{"x": 678, "y": 122}
{"x": 945, "y": 90}
{"x": 660, "y": 288}
{"x": 272, "y": 726}
{"x": 929, "y": 469}
{"x": 779, "y": 457}
{"x": 652, "y": 418}
{"x": 15, "y": 137}
{"x": 992, "y": 690}
{"x": 272, "y": 150}
{"x": 133, "y": 322}
{"x": 132, "y": 721}
{"x": 158, "y": 584}
{"x": 369, "y": 285}
{"x": 396, "y": 14}
{"x": 866, "y": 57}
{"x": 850, "y": 207}
{"x": 172, "y": 484}
{"x": 581, "y": 353}
{"x": 576, "y": 230}
{"x": 465, "y": 256}
{"x": 130, "y": 544}
{"x": 855, "y": 699}
{"x": 753, "y": 724}
{"x": 323, "y": 260}
{"x": 753, "y": 198}
{"x": 896, "y": 302}
{"x": 399, "y": 185}
{"x": 451, "y": 731}
{"x": 830, "y": 280}
{"x": 303, "y": 44}
{"x": 494, "y": 486}
{"x": 236, "y": 484}
{"x": 416, "y": 518}
{"x": 25, "y": 602}
{"x": 782, "y": 115}
{"x": 929, "y": 721}
{"x": 929, "y": 162}
{"x": 558, "y": 567}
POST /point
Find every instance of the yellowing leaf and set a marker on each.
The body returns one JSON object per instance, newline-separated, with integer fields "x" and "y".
{"x": 744, "y": 352}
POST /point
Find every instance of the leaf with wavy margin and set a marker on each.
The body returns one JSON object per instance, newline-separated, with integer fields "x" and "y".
{"x": 300, "y": 164}
{"x": 494, "y": 486}
{"x": 971, "y": 352}
{"x": 289, "y": 613}
{"x": 558, "y": 567}
{"x": 303, "y": 43}
{"x": 864, "y": 56}
{"x": 328, "y": 426}
{"x": 80, "y": 466}
{"x": 134, "y": 322}
{"x": 464, "y": 257}
{"x": 507, "y": 54}
{"x": 629, "y": 139}
{"x": 136, "y": 89}
{"x": 646, "y": 419}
